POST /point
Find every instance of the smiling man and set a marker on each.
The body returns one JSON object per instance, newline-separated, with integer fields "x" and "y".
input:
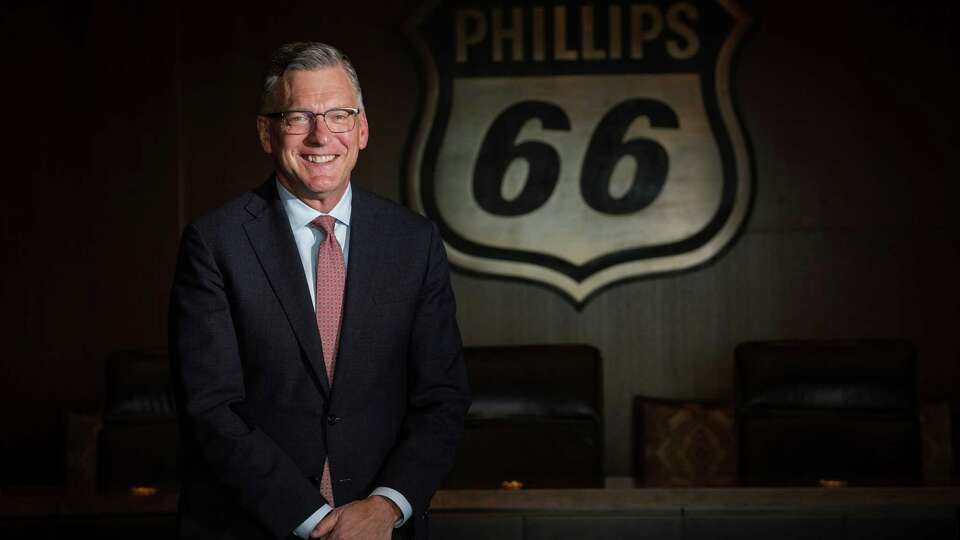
{"x": 313, "y": 337}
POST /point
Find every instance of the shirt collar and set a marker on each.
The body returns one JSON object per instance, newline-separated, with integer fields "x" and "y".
{"x": 300, "y": 215}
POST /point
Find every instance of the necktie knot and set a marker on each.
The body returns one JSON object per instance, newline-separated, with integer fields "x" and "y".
{"x": 324, "y": 222}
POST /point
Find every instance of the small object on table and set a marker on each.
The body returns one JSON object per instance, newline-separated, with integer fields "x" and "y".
{"x": 832, "y": 483}
{"x": 143, "y": 491}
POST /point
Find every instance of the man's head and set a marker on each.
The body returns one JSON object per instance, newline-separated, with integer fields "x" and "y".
{"x": 313, "y": 154}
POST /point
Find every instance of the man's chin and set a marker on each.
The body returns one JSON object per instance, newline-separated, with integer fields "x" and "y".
{"x": 323, "y": 190}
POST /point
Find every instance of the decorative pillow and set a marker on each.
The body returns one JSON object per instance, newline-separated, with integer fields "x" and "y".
{"x": 684, "y": 443}
{"x": 936, "y": 435}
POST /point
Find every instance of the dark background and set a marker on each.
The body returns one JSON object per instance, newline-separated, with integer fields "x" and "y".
{"x": 124, "y": 120}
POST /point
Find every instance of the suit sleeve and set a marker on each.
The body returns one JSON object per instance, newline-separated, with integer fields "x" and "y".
{"x": 206, "y": 364}
{"x": 438, "y": 390}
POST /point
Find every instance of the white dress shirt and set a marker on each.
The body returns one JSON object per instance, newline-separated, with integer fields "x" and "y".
{"x": 308, "y": 239}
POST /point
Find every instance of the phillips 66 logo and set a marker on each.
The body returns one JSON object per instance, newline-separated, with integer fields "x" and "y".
{"x": 577, "y": 145}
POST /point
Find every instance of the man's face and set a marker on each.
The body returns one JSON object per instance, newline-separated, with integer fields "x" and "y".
{"x": 314, "y": 166}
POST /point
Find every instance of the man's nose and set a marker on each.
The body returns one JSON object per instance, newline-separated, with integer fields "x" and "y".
{"x": 320, "y": 132}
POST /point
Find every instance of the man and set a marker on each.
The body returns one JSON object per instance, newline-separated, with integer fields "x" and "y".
{"x": 314, "y": 344}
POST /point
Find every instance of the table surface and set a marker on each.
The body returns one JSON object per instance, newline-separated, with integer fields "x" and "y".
{"x": 46, "y": 501}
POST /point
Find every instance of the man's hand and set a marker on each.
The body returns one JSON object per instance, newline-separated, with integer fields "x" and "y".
{"x": 368, "y": 519}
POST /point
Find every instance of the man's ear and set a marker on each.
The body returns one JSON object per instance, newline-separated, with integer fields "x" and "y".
{"x": 263, "y": 131}
{"x": 364, "y": 130}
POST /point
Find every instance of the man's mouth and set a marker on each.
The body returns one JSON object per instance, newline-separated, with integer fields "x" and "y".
{"x": 324, "y": 158}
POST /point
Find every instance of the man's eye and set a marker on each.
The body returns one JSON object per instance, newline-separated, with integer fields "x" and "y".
{"x": 340, "y": 116}
{"x": 298, "y": 118}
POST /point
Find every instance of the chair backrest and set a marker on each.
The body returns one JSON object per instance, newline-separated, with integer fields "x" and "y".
{"x": 810, "y": 410}
{"x": 536, "y": 418}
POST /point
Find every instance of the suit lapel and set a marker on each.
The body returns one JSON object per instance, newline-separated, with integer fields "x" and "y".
{"x": 364, "y": 251}
{"x": 270, "y": 234}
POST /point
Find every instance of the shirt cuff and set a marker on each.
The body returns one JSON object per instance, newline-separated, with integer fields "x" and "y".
{"x": 399, "y": 500}
{"x": 305, "y": 528}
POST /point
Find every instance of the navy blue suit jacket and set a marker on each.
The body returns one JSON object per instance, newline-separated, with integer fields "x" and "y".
{"x": 258, "y": 415}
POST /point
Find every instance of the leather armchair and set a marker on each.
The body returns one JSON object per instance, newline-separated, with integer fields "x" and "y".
{"x": 138, "y": 441}
{"x": 536, "y": 418}
{"x": 811, "y": 410}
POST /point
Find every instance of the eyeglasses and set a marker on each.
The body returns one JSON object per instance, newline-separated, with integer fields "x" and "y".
{"x": 339, "y": 120}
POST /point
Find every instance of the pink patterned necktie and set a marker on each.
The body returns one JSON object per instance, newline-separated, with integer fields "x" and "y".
{"x": 331, "y": 276}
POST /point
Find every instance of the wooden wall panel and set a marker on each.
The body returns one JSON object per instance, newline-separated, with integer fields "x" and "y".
{"x": 91, "y": 168}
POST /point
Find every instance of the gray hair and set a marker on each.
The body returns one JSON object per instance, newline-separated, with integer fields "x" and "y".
{"x": 305, "y": 56}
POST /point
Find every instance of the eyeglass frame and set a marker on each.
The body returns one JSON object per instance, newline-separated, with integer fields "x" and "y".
{"x": 354, "y": 112}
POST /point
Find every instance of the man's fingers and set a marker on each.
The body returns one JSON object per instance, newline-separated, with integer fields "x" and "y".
{"x": 326, "y": 525}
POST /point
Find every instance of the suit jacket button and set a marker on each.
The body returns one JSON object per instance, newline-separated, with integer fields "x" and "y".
{"x": 315, "y": 479}
{"x": 331, "y": 419}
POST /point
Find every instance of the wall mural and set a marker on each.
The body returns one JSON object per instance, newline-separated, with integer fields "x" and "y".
{"x": 579, "y": 145}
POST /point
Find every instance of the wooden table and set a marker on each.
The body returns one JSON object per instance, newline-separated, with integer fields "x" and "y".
{"x": 659, "y": 513}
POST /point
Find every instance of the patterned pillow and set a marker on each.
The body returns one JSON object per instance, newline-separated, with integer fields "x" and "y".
{"x": 684, "y": 443}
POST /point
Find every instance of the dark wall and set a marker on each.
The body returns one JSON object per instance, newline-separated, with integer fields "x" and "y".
{"x": 90, "y": 220}
{"x": 125, "y": 120}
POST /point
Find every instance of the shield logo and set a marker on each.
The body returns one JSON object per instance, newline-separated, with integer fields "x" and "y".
{"x": 579, "y": 145}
